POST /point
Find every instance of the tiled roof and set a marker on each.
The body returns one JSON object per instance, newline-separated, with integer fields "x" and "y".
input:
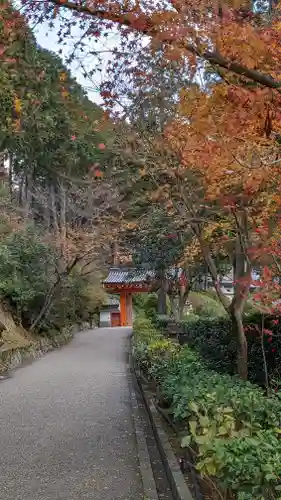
{"x": 117, "y": 275}
{"x": 131, "y": 275}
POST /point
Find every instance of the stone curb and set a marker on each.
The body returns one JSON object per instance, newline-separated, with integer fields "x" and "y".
{"x": 149, "y": 487}
{"x": 178, "y": 485}
{"x": 148, "y": 482}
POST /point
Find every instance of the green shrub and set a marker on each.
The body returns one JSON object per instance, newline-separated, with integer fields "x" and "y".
{"x": 190, "y": 317}
{"x": 25, "y": 267}
{"x": 214, "y": 340}
{"x": 77, "y": 300}
{"x": 144, "y": 334}
{"x": 249, "y": 466}
{"x": 28, "y": 272}
{"x": 146, "y": 303}
{"x": 162, "y": 320}
{"x": 144, "y": 330}
{"x": 231, "y": 425}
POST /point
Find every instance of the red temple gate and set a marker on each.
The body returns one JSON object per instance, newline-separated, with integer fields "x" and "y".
{"x": 125, "y": 282}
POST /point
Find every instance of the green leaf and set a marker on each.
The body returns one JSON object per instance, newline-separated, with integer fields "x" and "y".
{"x": 211, "y": 468}
{"x": 193, "y": 407}
{"x": 202, "y": 439}
{"x": 242, "y": 433}
{"x": 203, "y": 420}
{"x": 193, "y": 426}
{"x": 270, "y": 477}
{"x": 228, "y": 409}
{"x": 223, "y": 431}
{"x": 185, "y": 442}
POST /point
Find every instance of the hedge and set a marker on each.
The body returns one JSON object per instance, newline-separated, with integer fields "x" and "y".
{"x": 231, "y": 425}
{"x": 215, "y": 342}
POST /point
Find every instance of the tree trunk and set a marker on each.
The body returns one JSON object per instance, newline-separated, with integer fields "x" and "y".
{"x": 181, "y": 311}
{"x": 183, "y": 296}
{"x": 10, "y": 159}
{"x": 28, "y": 193}
{"x": 54, "y": 209}
{"x": 242, "y": 345}
{"x": 51, "y": 294}
{"x": 21, "y": 190}
{"x": 175, "y": 306}
{"x": 47, "y": 304}
{"x": 178, "y": 301}
{"x": 63, "y": 211}
{"x": 211, "y": 266}
{"x": 161, "y": 303}
{"x": 162, "y": 292}
{"x": 242, "y": 270}
{"x": 47, "y": 215}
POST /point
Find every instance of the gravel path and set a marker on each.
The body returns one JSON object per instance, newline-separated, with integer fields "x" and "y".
{"x": 66, "y": 429}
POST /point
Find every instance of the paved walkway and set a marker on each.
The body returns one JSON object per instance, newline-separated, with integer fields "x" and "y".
{"x": 66, "y": 429}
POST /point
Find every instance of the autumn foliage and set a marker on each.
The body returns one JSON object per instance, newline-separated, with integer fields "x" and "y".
{"x": 211, "y": 139}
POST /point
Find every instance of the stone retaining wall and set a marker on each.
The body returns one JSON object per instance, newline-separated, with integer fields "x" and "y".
{"x": 12, "y": 358}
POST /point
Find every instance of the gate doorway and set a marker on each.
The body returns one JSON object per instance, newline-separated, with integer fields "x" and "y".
{"x": 115, "y": 319}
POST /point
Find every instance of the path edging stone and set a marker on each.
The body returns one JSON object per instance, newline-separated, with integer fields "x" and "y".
{"x": 177, "y": 482}
{"x": 148, "y": 482}
{"x": 149, "y": 487}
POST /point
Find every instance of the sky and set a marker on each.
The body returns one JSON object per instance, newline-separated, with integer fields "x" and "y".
{"x": 48, "y": 39}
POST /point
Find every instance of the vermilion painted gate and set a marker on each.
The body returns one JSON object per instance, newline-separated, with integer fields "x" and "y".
{"x": 115, "y": 319}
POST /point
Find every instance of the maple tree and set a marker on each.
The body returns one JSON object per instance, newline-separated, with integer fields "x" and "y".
{"x": 227, "y": 144}
{"x": 225, "y": 34}
{"x": 156, "y": 244}
{"x": 222, "y": 213}
{"x": 225, "y": 131}
{"x": 156, "y": 226}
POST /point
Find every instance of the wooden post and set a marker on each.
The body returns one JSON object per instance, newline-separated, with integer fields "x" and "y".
{"x": 123, "y": 308}
{"x": 129, "y": 310}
